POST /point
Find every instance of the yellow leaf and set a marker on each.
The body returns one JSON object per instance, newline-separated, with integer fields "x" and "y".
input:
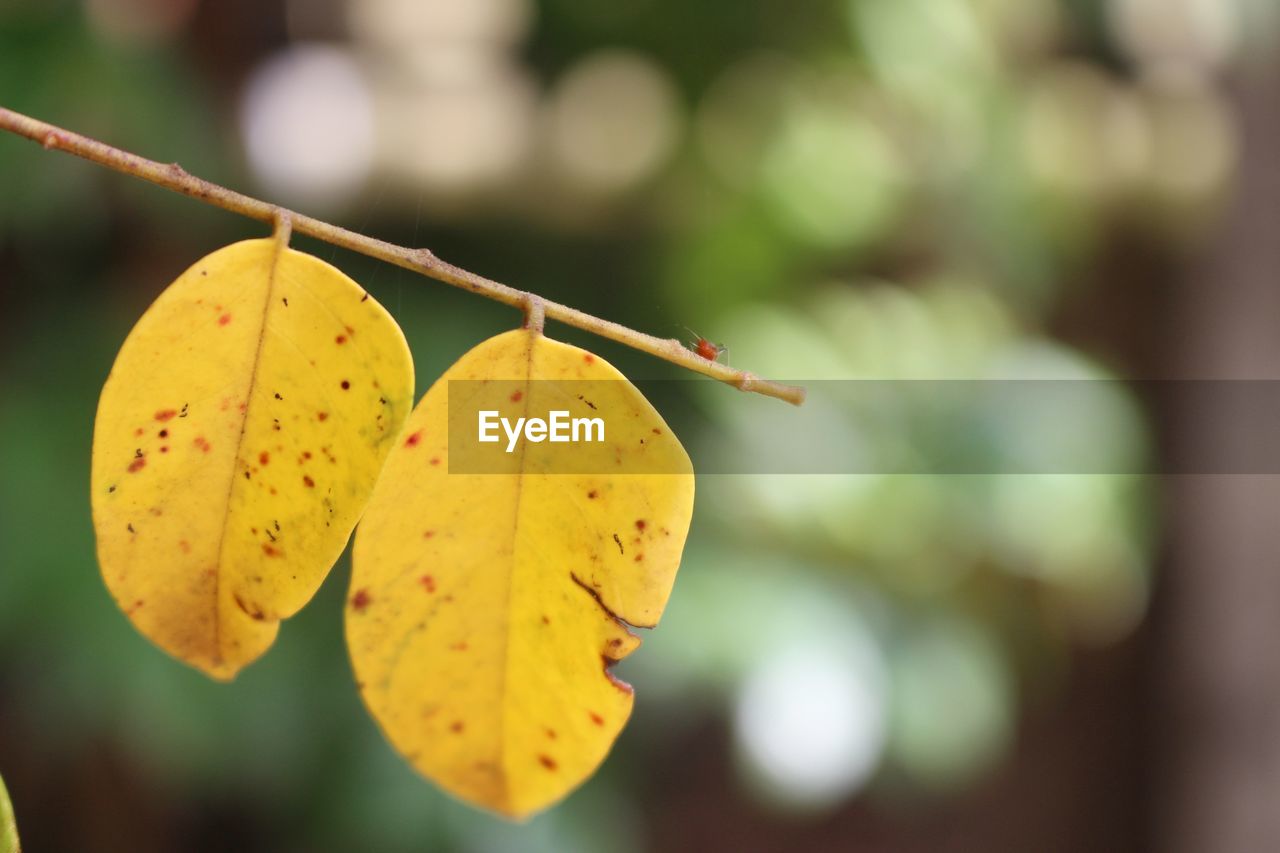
{"x": 237, "y": 440}
{"x": 486, "y": 608}
{"x": 8, "y": 828}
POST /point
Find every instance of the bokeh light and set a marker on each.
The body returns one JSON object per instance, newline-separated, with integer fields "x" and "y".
{"x": 611, "y": 122}
{"x": 307, "y": 120}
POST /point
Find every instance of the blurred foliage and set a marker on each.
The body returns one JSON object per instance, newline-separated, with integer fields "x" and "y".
{"x": 850, "y": 189}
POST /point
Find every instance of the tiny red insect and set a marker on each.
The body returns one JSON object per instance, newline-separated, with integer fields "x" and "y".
{"x": 705, "y": 348}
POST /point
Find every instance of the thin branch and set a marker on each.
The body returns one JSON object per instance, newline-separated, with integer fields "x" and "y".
{"x": 174, "y": 177}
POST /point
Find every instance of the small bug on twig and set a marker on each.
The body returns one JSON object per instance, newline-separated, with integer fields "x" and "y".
{"x": 705, "y": 348}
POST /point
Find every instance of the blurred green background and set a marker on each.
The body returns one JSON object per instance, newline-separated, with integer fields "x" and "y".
{"x": 837, "y": 189}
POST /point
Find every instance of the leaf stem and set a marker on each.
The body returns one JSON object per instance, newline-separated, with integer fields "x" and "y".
{"x": 535, "y": 313}
{"x": 174, "y": 177}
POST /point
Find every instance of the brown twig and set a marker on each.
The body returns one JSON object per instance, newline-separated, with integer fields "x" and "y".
{"x": 174, "y": 177}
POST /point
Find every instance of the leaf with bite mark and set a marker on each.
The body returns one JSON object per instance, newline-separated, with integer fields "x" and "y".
{"x": 486, "y": 608}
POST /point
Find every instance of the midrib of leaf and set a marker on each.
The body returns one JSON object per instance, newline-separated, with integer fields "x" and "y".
{"x": 277, "y": 248}
{"x": 515, "y": 537}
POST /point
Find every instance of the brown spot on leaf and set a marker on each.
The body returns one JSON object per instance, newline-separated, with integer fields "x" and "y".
{"x": 254, "y": 614}
{"x": 308, "y": 482}
{"x": 137, "y": 465}
{"x": 459, "y": 647}
{"x": 346, "y": 384}
{"x": 224, "y": 319}
{"x": 360, "y": 600}
{"x": 640, "y": 524}
{"x": 202, "y": 443}
{"x": 591, "y": 495}
{"x": 546, "y": 760}
{"x": 589, "y": 358}
{"x": 412, "y": 441}
{"x": 427, "y": 534}
{"x": 435, "y": 460}
{"x": 340, "y": 340}
{"x": 457, "y": 726}
{"x": 596, "y": 718}
{"x": 517, "y": 396}
{"x": 428, "y": 582}
{"x": 322, "y": 416}
{"x": 264, "y": 458}
{"x": 184, "y": 546}
{"x": 165, "y": 414}
{"x": 270, "y": 550}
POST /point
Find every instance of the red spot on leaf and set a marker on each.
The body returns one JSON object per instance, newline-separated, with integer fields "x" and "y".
{"x": 435, "y": 460}
{"x": 517, "y": 396}
{"x": 639, "y": 557}
{"x": 428, "y": 582}
{"x": 340, "y": 340}
{"x": 459, "y": 647}
{"x": 640, "y": 525}
{"x": 547, "y": 761}
{"x": 184, "y": 546}
{"x": 322, "y": 416}
{"x": 589, "y": 358}
{"x": 224, "y": 319}
{"x": 202, "y": 443}
{"x": 138, "y": 431}
{"x": 545, "y": 620}
{"x": 310, "y": 483}
{"x": 166, "y": 414}
{"x": 596, "y": 718}
{"x": 264, "y": 458}
{"x": 360, "y": 600}
{"x": 164, "y": 448}
{"x": 427, "y": 534}
{"x": 412, "y": 441}
{"x": 270, "y": 550}
{"x": 591, "y": 495}
{"x": 137, "y": 465}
